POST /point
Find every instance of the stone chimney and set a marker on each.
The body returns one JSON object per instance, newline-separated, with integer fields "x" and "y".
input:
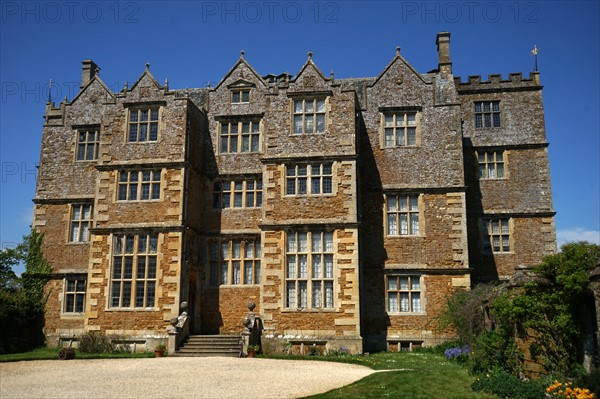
{"x": 88, "y": 71}
{"x": 443, "y": 47}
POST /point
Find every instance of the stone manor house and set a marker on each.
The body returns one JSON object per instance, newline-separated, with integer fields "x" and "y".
{"x": 348, "y": 210}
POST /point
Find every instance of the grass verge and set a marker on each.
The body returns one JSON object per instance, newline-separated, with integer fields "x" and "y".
{"x": 410, "y": 375}
{"x": 52, "y": 354}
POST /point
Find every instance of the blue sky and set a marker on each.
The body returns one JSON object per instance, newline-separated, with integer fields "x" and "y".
{"x": 192, "y": 43}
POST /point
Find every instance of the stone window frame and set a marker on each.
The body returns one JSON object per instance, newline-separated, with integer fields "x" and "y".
{"x": 238, "y": 137}
{"x": 309, "y": 178}
{"x": 87, "y": 137}
{"x": 307, "y": 108}
{"x": 227, "y": 197}
{"x": 303, "y": 279}
{"x": 497, "y": 163}
{"x": 409, "y": 290}
{"x": 229, "y": 266}
{"x": 482, "y": 115}
{"x": 79, "y": 223}
{"x": 239, "y": 93}
{"x": 398, "y": 212}
{"x": 140, "y": 183}
{"x": 139, "y": 123}
{"x": 128, "y": 254}
{"x": 74, "y": 292}
{"x": 496, "y": 229}
{"x": 394, "y": 127}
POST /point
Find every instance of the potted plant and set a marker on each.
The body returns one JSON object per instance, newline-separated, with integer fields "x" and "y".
{"x": 252, "y": 349}
{"x": 160, "y": 350}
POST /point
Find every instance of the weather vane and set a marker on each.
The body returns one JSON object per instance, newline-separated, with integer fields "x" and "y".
{"x": 535, "y": 53}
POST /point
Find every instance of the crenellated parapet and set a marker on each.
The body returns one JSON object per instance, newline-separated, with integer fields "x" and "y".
{"x": 495, "y": 83}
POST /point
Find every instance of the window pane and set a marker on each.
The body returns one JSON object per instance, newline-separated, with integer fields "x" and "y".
{"x": 248, "y": 272}
{"x": 151, "y": 267}
{"x": 291, "y": 266}
{"x": 245, "y": 144}
{"x": 302, "y": 242}
{"x": 392, "y": 284}
{"x": 316, "y": 242}
{"x": 298, "y": 106}
{"x": 320, "y": 105}
{"x": 303, "y": 294}
{"x": 328, "y": 266}
{"x": 291, "y": 294}
{"x": 236, "y": 273}
{"x": 415, "y": 283}
{"x": 404, "y": 283}
{"x": 328, "y": 294}
{"x": 317, "y": 295}
{"x": 411, "y": 136}
{"x": 320, "y": 123}
{"x": 414, "y": 224}
{"x": 297, "y": 123}
{"x": 389, "y": 121}
{"x": 404, "y": 304}
{"x": 308, "y": 106}
{"x": 392, "y": 224}
{"x": 416, "y": 302}
{"x": 400, "y": 137}
{"x": 414, "y": 203}
{"x": 141, "y": 267}
{"x": 150, "y": 294}
{"x": 392, "y": 203}
{"x": 254, "y": 143}
{"x": 301, "y": 185}
{"x": 392, "y": 302}
{"x": 317, "y": 267}
{"x": 84, "y": 231}
{"x": 309, "y": 124}
{"x": 302, "y": 266}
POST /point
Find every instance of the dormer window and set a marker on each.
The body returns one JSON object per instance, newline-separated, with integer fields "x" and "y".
{"x": 240, "y": 96}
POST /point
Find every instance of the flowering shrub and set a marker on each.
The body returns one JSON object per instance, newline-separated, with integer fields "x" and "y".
{"x": 565, "y": 391}
{"x": 457, "y": 353}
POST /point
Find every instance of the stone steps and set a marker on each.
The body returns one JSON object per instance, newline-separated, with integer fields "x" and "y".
{"x": 210, "y": 345}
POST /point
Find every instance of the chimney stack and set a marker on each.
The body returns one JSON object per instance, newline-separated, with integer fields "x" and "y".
{"x": 443, "y": 47}
{"x": 88, "y": 71}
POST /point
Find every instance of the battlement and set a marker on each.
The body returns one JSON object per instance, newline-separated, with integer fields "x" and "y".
{"x": 515, "y": 82}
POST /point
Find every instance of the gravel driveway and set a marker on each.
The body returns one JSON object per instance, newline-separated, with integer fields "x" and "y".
{"x": 174, "y": 377}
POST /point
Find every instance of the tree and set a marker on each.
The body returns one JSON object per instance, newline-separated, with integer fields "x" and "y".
{"x": 22, "y": 299}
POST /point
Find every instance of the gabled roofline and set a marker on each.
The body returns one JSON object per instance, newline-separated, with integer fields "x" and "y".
{"x": 308, "y": 62}
{"x": 241, "y": 60}
{"x": 148, "y": 73}
{"x": 84, "y": 88}
{"x": 394, "y": 60}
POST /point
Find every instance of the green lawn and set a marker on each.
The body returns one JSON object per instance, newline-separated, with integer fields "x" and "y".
{"x": 52, "y": 354}
{"x": 413, "y": 375}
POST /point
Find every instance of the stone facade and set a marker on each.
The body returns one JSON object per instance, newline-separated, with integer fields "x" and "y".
{"x": 348, "y": 210}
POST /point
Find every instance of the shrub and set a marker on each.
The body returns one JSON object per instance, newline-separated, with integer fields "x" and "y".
{"x": 505, "y": 385}
{"x": 493, "y": 350}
